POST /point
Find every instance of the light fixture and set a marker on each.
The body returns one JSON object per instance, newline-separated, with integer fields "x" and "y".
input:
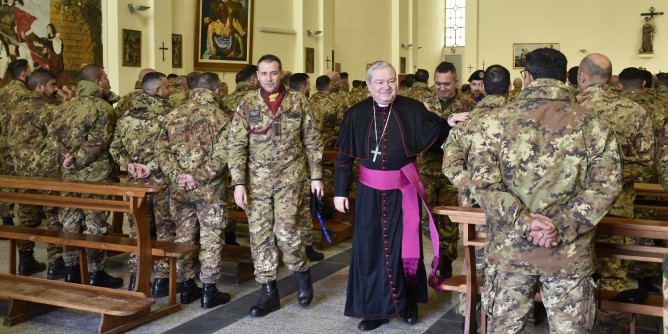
{"x": 134, "y": 8}
{"x": 406, "y": 46}
{"x": 278, "y": 30}
{"x": 313, "y": 32}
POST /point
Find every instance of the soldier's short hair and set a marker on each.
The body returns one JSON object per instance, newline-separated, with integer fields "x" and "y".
{"x": 208, "y": 80}
{"x": 323, "y": 81}
{"x": 421, "y": 75}
{"x": 298, "y": 80}
{"x": 39, "y": 76}
{"x": 151, "y": 81}
{"x": 631, "y": 78}
{"x": 497, "y": 80}
{"x": 180, "y": 80}
{"x": 269, "y": 58}
{"x": 466, "y": 88}
{"x": 663, "y": 79}
{"x": 445, "y": 67}
{"x": 547, "y": 63}
{"x": 573, "y": 75}
{"x": 172, "y": 76}
{"x": 343, "y": 75}
{"x": 594, "y": 70}
{"x": 647, "y": 76}
{"x": 246, "y": 73}
{"x": 191, "y": 79}
{"x": 356, "y": 83}
{"x": 377, "y": 66}
{"x": 92, "y": 72}
{"x": 16, "y": 67}
{"x": 408, "y": 81}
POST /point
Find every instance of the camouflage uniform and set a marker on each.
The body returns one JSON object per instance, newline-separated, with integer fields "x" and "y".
{"x": 542, "y": 154}
{"x": 341, "y": 98}
{"x": 31, "y": 150}
{"x": 328, "y": 113}
{"x": 84, "y": 128}
{"x": 193, "y": 140}
{"x": 275, "y": 182}
{"x": 358, "y": 95}
{"x": 419, "y": 91}
{"x": 136, "y": 132}
{"x": 10, "y": 95}
{"x": 632, "y": 127}
{"x": 439, "y": 189}
{"x": 512, "y": 95}
{"x": 177, "y": 95}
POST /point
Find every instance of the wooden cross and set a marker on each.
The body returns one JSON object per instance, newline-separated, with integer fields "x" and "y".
{"x": 327, "y": 60}
{"x": 470, "y": 68}
{"x": 163, "y": 48}
{"x": 651, "y": 13}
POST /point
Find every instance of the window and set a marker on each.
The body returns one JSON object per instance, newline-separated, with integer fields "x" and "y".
{"x": 455, "y": 23}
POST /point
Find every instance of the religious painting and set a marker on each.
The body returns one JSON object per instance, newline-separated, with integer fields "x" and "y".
{"x": 337, "y": 67}
{"x": 309, "y": 60}
{"x": 131, "y": 48}
{"x": 520, "y": 51}
{"x": 402, "y": 64}
{"x": 177, "y": 51}
{"x": 223, "y": 34}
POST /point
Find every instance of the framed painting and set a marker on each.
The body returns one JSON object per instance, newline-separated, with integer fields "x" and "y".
{"x": 309, "y": 60}
{"x": 131, "y": 48}
{"x": 223, "y": 34}
{"x": 177, "y": 51}
{"x": 520, "y": 51}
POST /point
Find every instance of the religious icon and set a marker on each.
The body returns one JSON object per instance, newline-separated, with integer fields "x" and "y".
{"x": 177, "y": 51}
{"x": 647, "y": 36}
{"x": 131, "y": 48}
{"x": 309, "y": 59}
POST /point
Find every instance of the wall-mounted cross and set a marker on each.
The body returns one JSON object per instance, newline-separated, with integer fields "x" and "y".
{"x": 163, "y": 48}
{"x": 470, "y": 68}
{"x": 651, "y": 13}
{"x": 327, "y": 61}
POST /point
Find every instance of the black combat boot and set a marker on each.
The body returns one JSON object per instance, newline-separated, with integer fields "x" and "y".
{"x": 231, "y": 239}
{"x": 73, "y": 274}
{"x": 304, "y": 287}
{"x": 56, "y": 269}
{"x": 7, "y": 221}
{"x": 28, "y": 265}
{"x": 133, "y": 282}
{"x": 190, "y": 292}
{"x": 160, "y": 287}
{"x": 101, "y": 278}
{"x": 212, "y": 297}
{"x": 444, "y": 267}
{"x": 314, "y": 255}
{"x": 645, "y": 283}
{"x": 269, "y": 301}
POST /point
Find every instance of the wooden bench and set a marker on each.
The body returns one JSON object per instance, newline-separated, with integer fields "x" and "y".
{"x": 471, "y": 284}
{"x": 123, "y": 198}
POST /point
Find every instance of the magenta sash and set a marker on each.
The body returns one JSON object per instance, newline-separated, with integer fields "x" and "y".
{"x": 408, "y": 182}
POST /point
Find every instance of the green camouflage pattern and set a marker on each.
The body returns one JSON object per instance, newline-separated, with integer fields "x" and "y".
{"x": 665, "y": 293}
{"x": 177, "y": 95}
{"x": 358, "y": 95}
{"x": 509, "y": 159}
{"x": 512, "y": 95}
{"x": 419, "y": 91}
{"x": 231, "y": 101}
{"x": 328, "y": 114}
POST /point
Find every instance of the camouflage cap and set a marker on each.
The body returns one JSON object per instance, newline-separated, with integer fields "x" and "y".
{"x": 477, "y": 75}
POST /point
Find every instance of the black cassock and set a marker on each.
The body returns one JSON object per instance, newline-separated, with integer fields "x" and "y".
{"x": 377, "y": 288}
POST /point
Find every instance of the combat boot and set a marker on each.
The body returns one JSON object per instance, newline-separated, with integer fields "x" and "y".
{"x": 73, "y": 274}
{"x": 190, "y": 292}
{"x": 101, "y": 278}
{"x": 56, "y": 269}
{"x": 231, "y": 238}
{"x": 269, "y": 301}
{"x": 645, "y": 283}
{"x": 444, "y": 267}
{"x": 28, "y": 265}
{"x": 314, "y": 255}
{"x": 160, "y": 287}
{"x": 212, "y": 297}
{"x": 304, "y": 287}
{"x": 133, "y": 282}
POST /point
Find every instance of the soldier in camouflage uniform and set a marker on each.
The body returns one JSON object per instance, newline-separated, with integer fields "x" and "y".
{"x": 420, "y": 89}
{"x": 178, "y": 92}
{"x": 662, "y": 89}
{"x": 270, "y": 120}
{"x": 476, "y": 85}
{"x": 84, "y": 128}
{"x": 632, "y": 127}
{"x": 30, "y": 148}
{"x": 10, "y": 95}
{"x": 192, "y": 152}
{"x": 359, "y": 93}
{"x": 456, "y": 150}
{"x": 544, "y": 185}
{"x": 336, "y": 93}
{"x": 136, "y": 130}
{"x": 327, "y": 111}
{"x": 517, "y": 88}
{"x": 447, "y": 101}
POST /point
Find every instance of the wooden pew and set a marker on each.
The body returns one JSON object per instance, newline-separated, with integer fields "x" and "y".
{"x": 120, "y": 310}
{"x": 471, "y": 284}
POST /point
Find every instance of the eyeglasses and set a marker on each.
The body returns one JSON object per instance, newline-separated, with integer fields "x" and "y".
{"x": 522, "y": 73}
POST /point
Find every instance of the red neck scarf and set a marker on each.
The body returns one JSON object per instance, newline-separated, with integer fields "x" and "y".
{"x": 273, "y": 100}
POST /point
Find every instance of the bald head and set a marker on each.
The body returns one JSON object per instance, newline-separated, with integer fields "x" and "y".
{"x": 334, "y": 76}
{"x": 517, "y": 83}
{"x": 144, "y": 72}
{"x": 595, "y": 68}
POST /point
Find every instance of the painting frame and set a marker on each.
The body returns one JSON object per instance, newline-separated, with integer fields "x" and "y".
{"x": 309, "y": 60}
{"x": 229, "y": 54}
{"x": 131, "y": 48}
{"x": 177, "y": 51}
{"x": 521, "y": 49}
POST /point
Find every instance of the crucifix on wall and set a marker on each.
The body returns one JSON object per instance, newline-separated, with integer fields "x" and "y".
{"x": 647, "y": 44}
{"x": 163, "y": 48}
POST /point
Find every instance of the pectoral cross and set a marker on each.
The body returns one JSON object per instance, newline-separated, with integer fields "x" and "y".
{"x": 163, "y": 48}
{"x": 375, "y": 153}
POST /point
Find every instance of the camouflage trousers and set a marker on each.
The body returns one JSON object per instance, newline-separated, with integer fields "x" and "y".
{"x": 203, "y": 221}
{"x": 273, "y": 222}
{"x": 441, "y": 192}
{"x": 31, "y": 216}
{"x": 613, "y": 271}
{"x": 157, "y": 213}
{"x": 305, "y": 216}
{"x": 91, "y": 222}
{"x": 231, "y": 224}
{"x": 507, "y": 299}
{"x": 646, "y": 269}
{"x": 7, "y": 168}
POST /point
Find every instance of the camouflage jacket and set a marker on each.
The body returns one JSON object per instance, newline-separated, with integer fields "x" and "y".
{"x": 10, "y": 95}
{"x": 543, "y": 154}
{"x": 30, "y": 142}
{"x": 512, "y": 95}
{"x": 193, "y": 140}
{"x": 632, "y": 126}
{"x": 456, "y": 147}
{"x": 84, "y": 128}
{"x": 328, "y": 114}
{"x": 269, "y": 152}
{"x": 126, "y": 101}
{"x": 231, "y": 101}
{"x": 177, "y": 96}
{"x": 341, "y": 98}
{"x": 431, "y": 163}
{"x": 137, "y": 132}
{"x": 419, "y": 91}
{"x": 358, "y": 95}
{"x": 662, "y": 96}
